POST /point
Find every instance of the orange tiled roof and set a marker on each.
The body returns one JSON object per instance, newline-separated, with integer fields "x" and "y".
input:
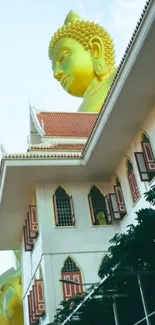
{"x": 67, "y": 124}
{"x": 67, "y": 147}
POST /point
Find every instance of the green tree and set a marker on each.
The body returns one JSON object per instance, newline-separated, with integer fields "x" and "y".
{"x": 135, "y": 248}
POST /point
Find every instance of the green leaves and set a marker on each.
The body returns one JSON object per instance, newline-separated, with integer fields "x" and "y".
{"x": 134, "y": 248}
{"x": 150, "y": 195}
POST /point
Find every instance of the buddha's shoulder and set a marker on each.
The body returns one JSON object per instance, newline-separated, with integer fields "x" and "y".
{"x": 94, "y": 100}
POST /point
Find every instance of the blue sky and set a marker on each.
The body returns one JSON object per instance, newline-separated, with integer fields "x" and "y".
{"x": 25, "y": 71}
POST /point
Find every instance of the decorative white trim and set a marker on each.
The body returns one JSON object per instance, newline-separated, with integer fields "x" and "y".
{"x": 29, "y": 142}
{"x": 2, "y": 181}
{"x": 50, "y": 142}
{"x": 38, "y": 127}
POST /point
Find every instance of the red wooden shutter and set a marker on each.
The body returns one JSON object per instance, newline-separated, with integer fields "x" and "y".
{"x": 114, "y": 205}
{"x": 70, "y": 290}
{"x": 55, "y": 210}
{"x": 91, "y": 209}
{"x": 28, "y": 241}
{"x": 133, "y": 186}
{"x": 30, "y": 310}
{"x": 28, "y": 247}
{"x": 77, "y": 278}
{"x": 142, "y": 166}
{"x": 36, "y": 301}
{"x": 72, "y": 210}
{"x": 32, "y": 235}
{"x": 34, "y": 316}
{"x": 67, "y": 287}
{"x": 109, "y": 216}
{"x": 40, "y": 297}
{"x": 120, "y": 199}
{"x": 33, "y": 219}
{"x": 148, "y": 156}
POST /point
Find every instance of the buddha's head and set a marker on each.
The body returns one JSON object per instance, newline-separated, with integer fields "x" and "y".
{"x": 80, "y": 52}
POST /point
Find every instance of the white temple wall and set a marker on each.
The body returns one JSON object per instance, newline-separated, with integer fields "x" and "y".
{"x": 85, "y": 243}
{"x": 71, "y": 239}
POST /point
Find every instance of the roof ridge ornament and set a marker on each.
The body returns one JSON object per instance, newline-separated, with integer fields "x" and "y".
{"x": 3, "y": 151}
{"x": 38, "y": 127}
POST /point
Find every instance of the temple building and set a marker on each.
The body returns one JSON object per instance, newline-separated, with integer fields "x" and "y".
{"x": 81, "y": 181}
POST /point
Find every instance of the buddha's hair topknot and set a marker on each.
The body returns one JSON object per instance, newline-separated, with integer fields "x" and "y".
{"x": 83, "y": 31}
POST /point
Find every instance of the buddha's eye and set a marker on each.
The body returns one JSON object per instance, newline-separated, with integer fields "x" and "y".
{"x": 63, "y": 56}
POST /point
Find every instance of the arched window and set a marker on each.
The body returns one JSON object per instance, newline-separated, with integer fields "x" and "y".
{"x": 120, "y": 198}
{"x": 145, "y": 160}
{"x": 71, "y": 272}
{"x": 63, "y": 208}
{"x": 132, "y": 181}
{"x": 99, "y": 207}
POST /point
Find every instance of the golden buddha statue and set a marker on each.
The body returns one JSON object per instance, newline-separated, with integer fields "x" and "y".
{"x": 83, "y": 61}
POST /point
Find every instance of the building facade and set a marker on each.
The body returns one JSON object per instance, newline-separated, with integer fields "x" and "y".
{"x": 81, "y": 181}
{"x": 71, "y": 245}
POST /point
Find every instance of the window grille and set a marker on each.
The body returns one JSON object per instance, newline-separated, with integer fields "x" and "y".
{"x": 63, "y": 208}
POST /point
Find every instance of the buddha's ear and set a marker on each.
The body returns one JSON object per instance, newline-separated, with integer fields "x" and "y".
{"x": 97, "y": 51}
{"x": 96, "y": 47}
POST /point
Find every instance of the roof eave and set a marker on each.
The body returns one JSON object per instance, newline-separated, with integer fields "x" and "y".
{"x": 132, "y": 51}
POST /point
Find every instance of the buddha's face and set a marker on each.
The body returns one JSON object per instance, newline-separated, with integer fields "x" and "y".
{"x": 72, "y": 66}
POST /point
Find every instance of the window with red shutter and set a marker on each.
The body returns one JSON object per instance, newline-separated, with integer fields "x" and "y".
{"x": 33, "y": 220}
{"x": 39, "y": 297}
{"x": 108, "y": 211}
{"x": 145, "y": 161}
{"x": 142, "y": 168}
{"x": 99, "y": 207}
{"x": 32, "y": 235}
{"x": 70, "y": 271}
{"x": 28, "y": 241}
{"x": 91, "y": 209}
{"x": 132, "y": 182}
{"x": 31, "y": 304}
{"x": 148, "y": 156}
{"x": 118, "y": 203}
{"x": 120, "y": 198}
{"x": 114, "y": 206}
{"x": 63, "y": 208}
{"x": 34, "y": 316}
